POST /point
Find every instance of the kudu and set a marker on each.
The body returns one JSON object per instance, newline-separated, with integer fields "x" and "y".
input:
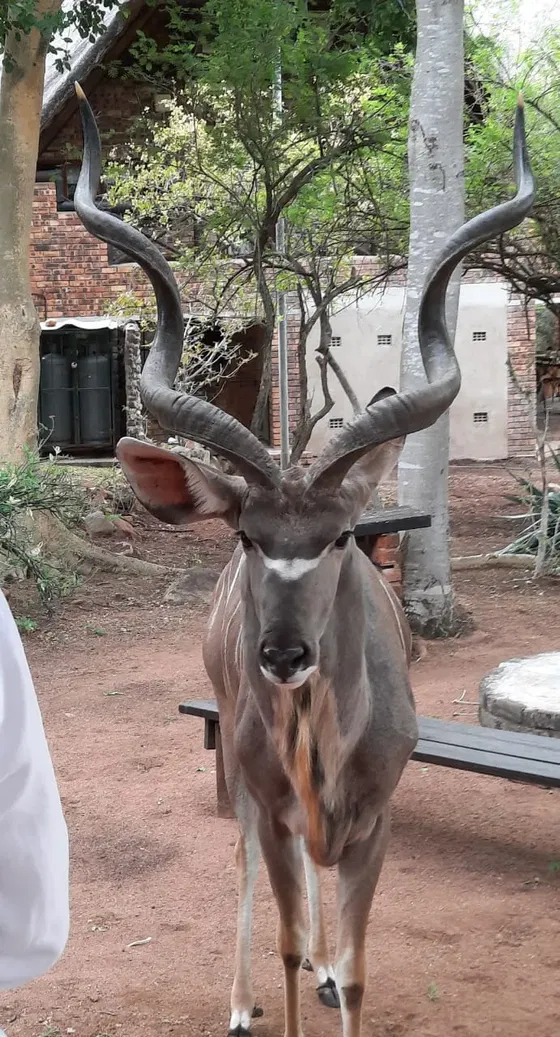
{"x": 307, "y": 647}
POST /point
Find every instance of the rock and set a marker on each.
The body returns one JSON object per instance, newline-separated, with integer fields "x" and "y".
{"x": 193, "y": 451}
{"x": 523, "y": 695}
{"x": 125, "y": 528}
{"x": 127, "y": 550}
{"x": 14, "y": 575}
{"x": 98, "y": 525}
{"x": 195, "y": 585}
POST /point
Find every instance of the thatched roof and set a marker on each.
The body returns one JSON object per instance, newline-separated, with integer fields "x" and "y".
{"x": 82, "y": 56}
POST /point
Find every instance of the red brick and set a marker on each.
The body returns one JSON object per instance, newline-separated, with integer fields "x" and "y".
{"x": 389, "y": 540}
{"x": 386, "y": 556}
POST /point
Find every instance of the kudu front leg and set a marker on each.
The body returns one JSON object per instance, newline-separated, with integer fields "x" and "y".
{"x": 247, "y": 860}
{"x": 317, "y": 950}
{"x": 358, "y": 874}
{"x": 283, "y": 856}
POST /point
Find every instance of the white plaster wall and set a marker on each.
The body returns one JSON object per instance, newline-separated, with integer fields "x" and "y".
{"x": 369, "y": 365}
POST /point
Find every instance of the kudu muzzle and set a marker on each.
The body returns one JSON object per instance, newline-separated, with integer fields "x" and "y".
{"x": 289, "y": 664}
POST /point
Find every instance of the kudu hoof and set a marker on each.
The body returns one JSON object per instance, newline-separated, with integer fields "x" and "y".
{"x": 328, "y": 994}
{"x": 244, "y": 1031}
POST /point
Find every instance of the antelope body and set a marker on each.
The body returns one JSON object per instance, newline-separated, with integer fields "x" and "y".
{"x": 307, "y": 647}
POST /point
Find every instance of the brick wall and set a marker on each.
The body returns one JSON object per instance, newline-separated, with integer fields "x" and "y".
{"x": 70, "y": 273}
{"x": 521, "y": 347}
{"x": 292, "y": 322}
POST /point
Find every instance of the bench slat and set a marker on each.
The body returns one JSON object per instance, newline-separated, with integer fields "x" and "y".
{"x": 206, "y": 708}
{"x": 492, "y": 763}
{"x": 391, "y": 520}
{"x": 505, "y": 754}
{"x": 534, "y": 748}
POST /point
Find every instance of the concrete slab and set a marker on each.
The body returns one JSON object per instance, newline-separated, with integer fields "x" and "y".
{"x": 523, "y": 695}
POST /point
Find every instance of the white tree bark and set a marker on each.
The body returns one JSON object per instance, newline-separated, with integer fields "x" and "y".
{"x": 21, "y": 94}
{"x": 435, "y": 156}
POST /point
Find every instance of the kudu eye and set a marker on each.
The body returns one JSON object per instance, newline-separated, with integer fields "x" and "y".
{"x": 246, "y": 543}
{"x": 343, "y": 539}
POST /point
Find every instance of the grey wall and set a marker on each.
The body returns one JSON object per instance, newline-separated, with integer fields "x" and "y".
{"x": 369, "y": 364}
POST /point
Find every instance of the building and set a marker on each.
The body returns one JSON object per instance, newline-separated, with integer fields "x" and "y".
{"x": 491, "y": 417}
{"x": 76, "y": 279}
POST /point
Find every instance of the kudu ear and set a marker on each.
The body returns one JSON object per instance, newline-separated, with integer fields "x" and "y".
{"x": 366, "y": 474}
{"x": 176, "y": 489}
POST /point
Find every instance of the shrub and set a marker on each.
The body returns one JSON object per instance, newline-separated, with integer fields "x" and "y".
{"x": 531, "y": 497}
{"x": 26, "y": 488}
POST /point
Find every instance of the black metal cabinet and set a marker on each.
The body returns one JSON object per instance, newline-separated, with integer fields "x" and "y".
{"x": 80, "y": 405}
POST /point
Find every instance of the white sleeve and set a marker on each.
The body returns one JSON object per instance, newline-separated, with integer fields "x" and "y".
{"x": 34, "y": 901}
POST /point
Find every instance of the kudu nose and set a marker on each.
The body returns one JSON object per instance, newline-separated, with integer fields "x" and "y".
{"x": 284, "y": 663}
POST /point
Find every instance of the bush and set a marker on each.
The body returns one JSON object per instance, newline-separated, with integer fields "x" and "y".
{"x": 26, "y": 488}
{"x": 531, "y": 498}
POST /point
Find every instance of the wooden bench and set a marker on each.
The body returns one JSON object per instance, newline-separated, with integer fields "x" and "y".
{"x": 375, "y": 524}
{"x": 391, "y": 520}
{"x": 520, "y": 757}
{"x": 531, "y": 759}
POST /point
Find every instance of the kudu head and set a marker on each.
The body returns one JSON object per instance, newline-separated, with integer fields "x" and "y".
{"x": 296, "y": 526}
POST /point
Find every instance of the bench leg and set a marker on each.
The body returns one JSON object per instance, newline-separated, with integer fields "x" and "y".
{"x": 222, "y": 796}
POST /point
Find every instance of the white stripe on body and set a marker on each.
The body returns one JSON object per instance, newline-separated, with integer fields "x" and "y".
{"x": 220, "y": 586}
{"x": 389, "y": 594}
{"x": 225, "y": 648}
{"x": 225, "y": 585}
{"x": 231, "y": 586}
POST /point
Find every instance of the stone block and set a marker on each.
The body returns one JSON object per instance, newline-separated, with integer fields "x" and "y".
{"x": 523, "y": 695}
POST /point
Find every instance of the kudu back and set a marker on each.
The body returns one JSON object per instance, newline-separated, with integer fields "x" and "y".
{"x": 307, "y": 647}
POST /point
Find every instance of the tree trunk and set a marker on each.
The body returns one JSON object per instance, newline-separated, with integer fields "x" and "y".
{"x": 306, "y": 420}
{"x": 21, "y": 94}
{"x": 435, "y": 155}
{"x": 260, "y": 422}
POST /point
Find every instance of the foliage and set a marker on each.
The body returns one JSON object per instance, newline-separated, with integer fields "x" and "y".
{"x": 529, "y": 257}
{"x": 213, "y": 348}
{"x": 531, "y": 498}
{"x": 104, "y": 488}
{"x": 26, "y": 625}
{"x": 223, "y": 167}
{"x": 546, "y": 332}
{"x": 212, "y": 181}
{"x": 84, "y": 16}
{"x": 26, "y": 488}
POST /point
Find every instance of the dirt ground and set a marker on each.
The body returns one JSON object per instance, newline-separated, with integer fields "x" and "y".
{"x": 464, "y": 939}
